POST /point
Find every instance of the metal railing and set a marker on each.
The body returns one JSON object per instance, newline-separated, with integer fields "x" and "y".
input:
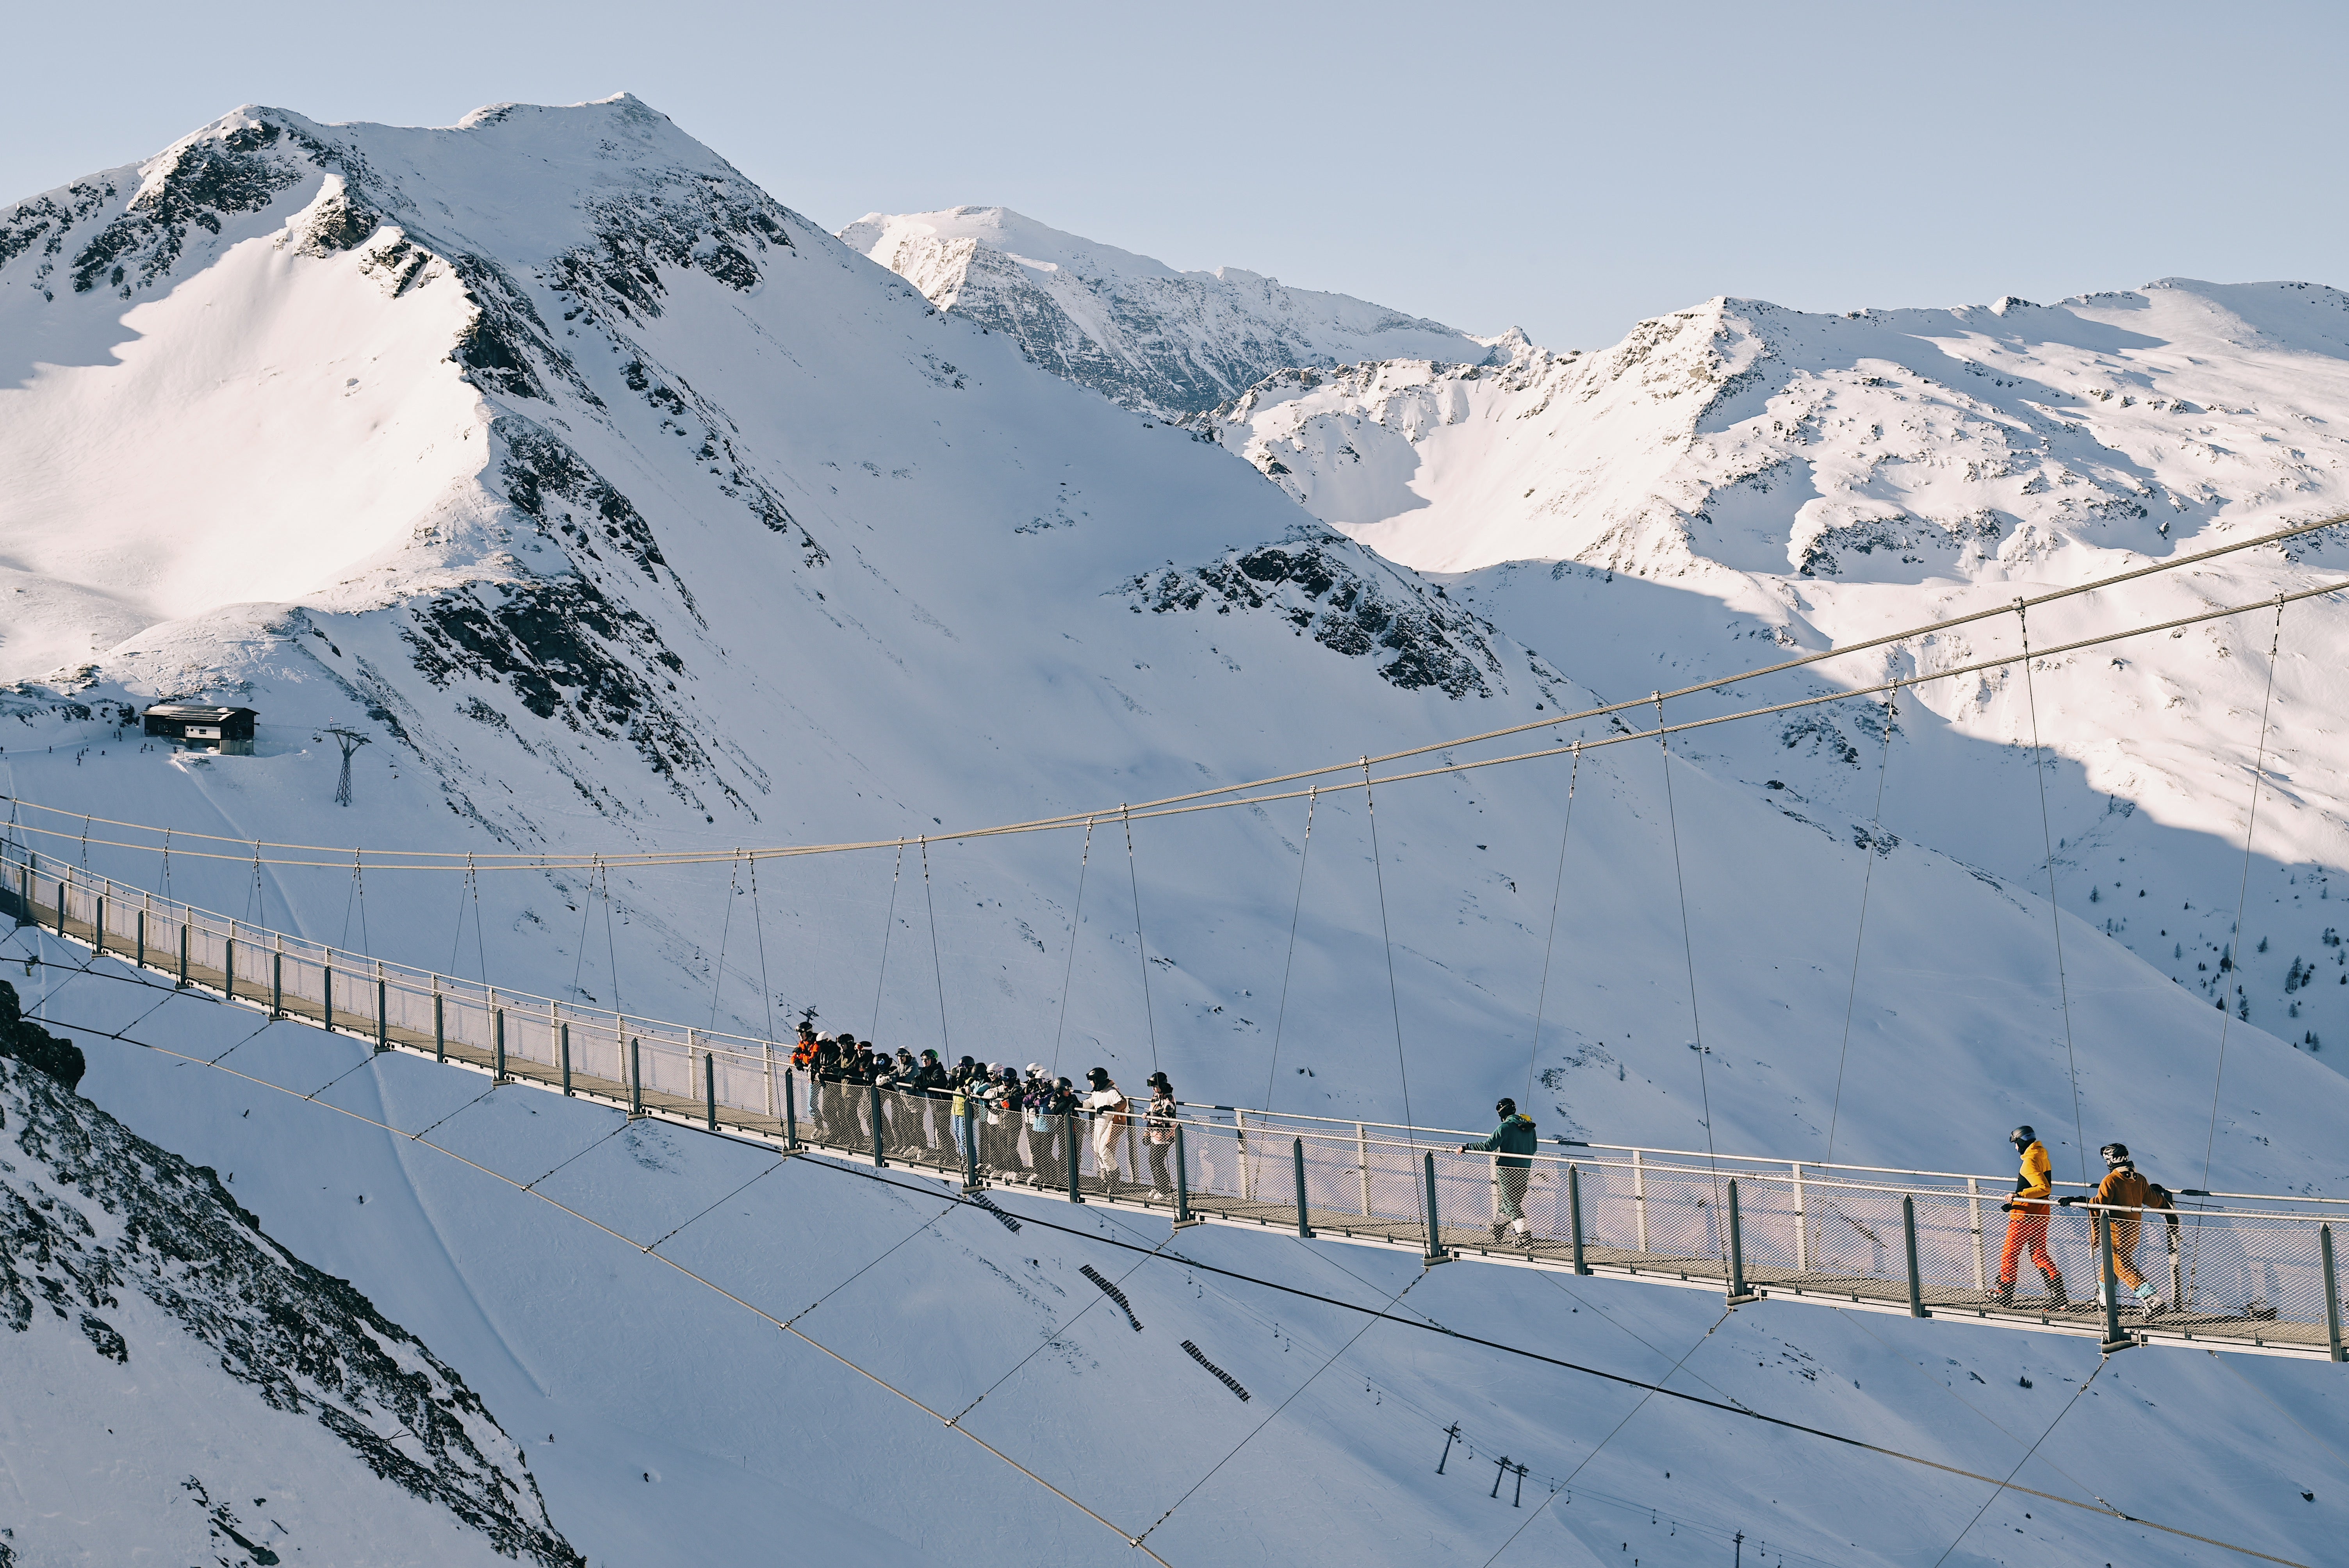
{"x": 2255, "y": 1275}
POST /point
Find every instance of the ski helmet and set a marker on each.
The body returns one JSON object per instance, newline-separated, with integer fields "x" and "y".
{"x": 2114, "y": 1153}
{"x": 1505, "y": 1106}
{"x": 2023, "y": 1137}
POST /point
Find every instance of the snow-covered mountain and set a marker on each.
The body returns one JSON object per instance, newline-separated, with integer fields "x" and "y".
{"x": 1829, "y": 478}
{"x": 623, "y": 508}
{"x": 1134, "y": 329}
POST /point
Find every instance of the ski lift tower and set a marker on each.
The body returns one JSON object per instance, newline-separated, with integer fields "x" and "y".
{"x": 350, "y": 740}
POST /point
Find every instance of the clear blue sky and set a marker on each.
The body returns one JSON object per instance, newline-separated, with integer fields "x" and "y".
{"x": 1568, "y": 169}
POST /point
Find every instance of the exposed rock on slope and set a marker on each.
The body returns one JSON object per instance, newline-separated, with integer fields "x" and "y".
{"x": 114, "y": 1253}
{"x": 1134, "y": 329}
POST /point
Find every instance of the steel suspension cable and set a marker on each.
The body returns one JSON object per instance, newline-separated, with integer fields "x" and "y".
{"x": 2243, "y": 890}
{"x": 759, "y": 925}
{"x": 1069, "y": 972}
{"x": 1867, "y": 879}
{"x": 725, "y": 929}
{"x": 1688, "y": 955}
{"x": 2054, "y": 910}
{"x": 1141, "y": 954}
{"x": 1204, "y": 800}
{"x": 1549, "y": 943}
{"x": 536, "y": 861}
{"x": 1394, "y": 995}
{"x": 937, "y": 970}
{"x": 1312, "y": 797}
{"x": 888, "y": 929}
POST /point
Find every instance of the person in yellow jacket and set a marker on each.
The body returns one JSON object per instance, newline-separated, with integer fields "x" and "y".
{"x": 2121, "y": 1198}
{"x": 2026, "y": 1221}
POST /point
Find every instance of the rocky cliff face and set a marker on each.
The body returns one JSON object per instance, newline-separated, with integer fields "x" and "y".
{"x": 143, "y": 1310}
{"x": 1136, "y": 330}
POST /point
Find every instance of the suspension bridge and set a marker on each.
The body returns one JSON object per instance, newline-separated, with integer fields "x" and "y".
{"x": 2245, "y": 1271}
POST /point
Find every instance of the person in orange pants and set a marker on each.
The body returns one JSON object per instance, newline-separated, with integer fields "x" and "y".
{"x": 2026, "y": 1223}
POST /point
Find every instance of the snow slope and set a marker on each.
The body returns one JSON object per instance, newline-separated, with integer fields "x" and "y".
{"x": 1828, "y": 478}
{"x": 169, "y": 1363}
{"x": 1157, "y": 340}
{"x": 727, "y": 536}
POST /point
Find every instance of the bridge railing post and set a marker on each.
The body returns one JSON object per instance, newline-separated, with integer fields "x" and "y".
{"x": 1737, "y": 1291}
{"x": 1182, "y": 1181}
{"x": 880, "y": 1156}
{"x": 439, "y": 1023}
{"x": 183, "y": 952}
{"x": 2109, "y": 1286}
{"x": 2332, "y": 1294}
{"x": 97, "y": 925}
{"x": 326, "y": 989}
{"x": 635, "y": 1077}
{"x": 498, "y": 1030}
{"x": 1304, "y": 1225}
{"x": 1639, "y": 1200}
{"x": 277, "y": 980}
{"x": 1802, "y": 1223}
{"x": 791, "y": 1112}
{"x": 1574, "y": 1215}
{"x": 562, "y": 1045}
{"x": 1909, "y": 1239}
{"x": 710, "y": 1091}
{"x": 382, "y": 1009}
{"x": 1974, "y": 1223}
{"x": 1436, "y": 1253}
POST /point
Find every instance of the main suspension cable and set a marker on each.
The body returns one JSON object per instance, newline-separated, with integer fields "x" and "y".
{"x": 1867, "y": 878}
{"x": 1312, "y": 797}
{"x": 2054, "y": 910}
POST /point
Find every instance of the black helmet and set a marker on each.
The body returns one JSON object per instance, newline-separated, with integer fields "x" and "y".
{"x": 1098, "y": 1077}
{"x": 2022, "y": 1138}
{"x": 2114, "y": 1153}
{"x": 1505, "y": 1106}
{"x": 1158, "y": 1080}
{"x": 929, "y": 1056}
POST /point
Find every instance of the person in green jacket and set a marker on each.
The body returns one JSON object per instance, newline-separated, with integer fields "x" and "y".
{"x": 1512, "y": 1141}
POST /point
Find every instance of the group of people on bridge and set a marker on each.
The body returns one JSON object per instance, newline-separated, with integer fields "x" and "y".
{"x": 2119, "y": 1200}
{"x": 1005, "y": 1123}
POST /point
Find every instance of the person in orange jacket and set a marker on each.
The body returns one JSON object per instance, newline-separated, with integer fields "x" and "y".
{"x": 2026, "y": 1221}
{"x": 2120, "y": 1199}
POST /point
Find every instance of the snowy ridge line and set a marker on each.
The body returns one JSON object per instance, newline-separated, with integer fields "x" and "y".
{"x": 1176, "y": 805}
{"x": 2262, "y": 1284}
{"x": 713, "y": 1077}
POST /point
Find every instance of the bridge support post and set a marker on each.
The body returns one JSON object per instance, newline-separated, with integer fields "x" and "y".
{"x": 1435, "y": 1252}
{"x": 1363, "y": 1164}
{"x": 2332, "y": 1294}
{"x": 228, "y": 950}
{"x": 880, "y": 1159}
{"x": 439, "y": 1026}
{"x": 2110, "y": 1293}
{"x": 1574, "y": 1215}
{"x": 1183, "y": 1215}
{"x": 1802, "y": 1224}
{"x": 1069, "y": 1137}
{"x": 1737, "y": 1291}
{"x": 143, "y": 939}
{"x": 498, "y": 1030}
{"x": 710, "y": 1095}
{"x": 1974, "y": 1222}
{"x": 277, "y": 981}
{"x": 184, "y": 951}
{"x": 1909, "y": 1239}
{"x": 790, "y": 1114}
{"x": 98, "y": 927}
{"x": 326, "y": 972}
{"x": 382, "y": 1011}
{"x": 1639, "y": 1199}
{"x": 61, "y": 906}
{"x": 1304, "y": 1226}
{"x": 635, "y": 1077}
{"x": 561, "y": 1043}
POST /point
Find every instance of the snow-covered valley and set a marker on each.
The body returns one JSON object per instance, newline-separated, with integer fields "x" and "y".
{"x": 624, "y": 509}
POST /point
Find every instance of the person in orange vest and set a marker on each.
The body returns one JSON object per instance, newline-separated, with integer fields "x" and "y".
{"x": 2027, "y": 1223}
{"x": 2120, "y": 1199}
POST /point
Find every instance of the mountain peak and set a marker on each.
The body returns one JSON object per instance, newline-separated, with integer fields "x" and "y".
{"x": 1157, "y": 339}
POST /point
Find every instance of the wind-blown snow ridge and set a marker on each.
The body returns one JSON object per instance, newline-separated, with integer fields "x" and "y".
{"x": 1130, "y": 327}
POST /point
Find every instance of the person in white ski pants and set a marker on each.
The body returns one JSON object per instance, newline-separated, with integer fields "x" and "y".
{"x": 1108, "y": 1105}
